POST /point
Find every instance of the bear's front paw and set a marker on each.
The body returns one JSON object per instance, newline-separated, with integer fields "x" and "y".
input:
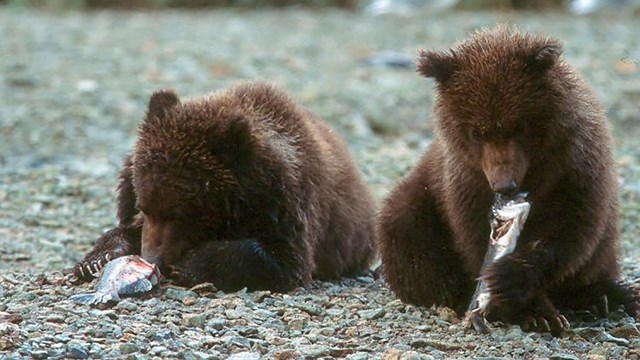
{"x": 89, "y": 268}
{"x": 553, "y": 323}
{"x": 511, "y": 285}
{"x": 112, "y": 244}
{"x": 542, "y": 316}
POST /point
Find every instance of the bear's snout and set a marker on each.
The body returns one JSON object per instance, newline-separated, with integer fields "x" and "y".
{"x": 504, "y": 165}
{"x": 158, "y": 241}
{"x": 506, "y": 187}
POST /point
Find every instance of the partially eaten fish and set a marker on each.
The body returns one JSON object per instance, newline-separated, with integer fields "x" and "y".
{"x": 125, "y": 275}
{"x": 507, "y": 221}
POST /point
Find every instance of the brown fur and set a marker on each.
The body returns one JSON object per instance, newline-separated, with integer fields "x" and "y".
{"x": 242, "y": 188}
{"x": 511, "y": 115}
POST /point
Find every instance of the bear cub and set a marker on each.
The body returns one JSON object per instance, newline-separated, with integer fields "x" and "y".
{"x": 241, "y": 188}
{"x": 511, "y": 115}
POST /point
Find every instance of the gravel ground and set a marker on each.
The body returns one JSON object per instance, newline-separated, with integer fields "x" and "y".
{"x": 73, "y": 87}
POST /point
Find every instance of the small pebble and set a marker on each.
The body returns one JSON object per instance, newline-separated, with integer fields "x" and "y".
{"x": 372, "y": 314}
{"x": 77, "y": 350}
{"x": 128, "y": 348}
{"x": 179, "y": 294}
{"x": 194, "y": 320}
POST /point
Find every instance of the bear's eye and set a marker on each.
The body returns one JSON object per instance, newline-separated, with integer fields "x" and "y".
{"x": 475, "y": 135}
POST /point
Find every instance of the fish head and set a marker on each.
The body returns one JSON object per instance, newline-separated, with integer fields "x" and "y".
{"x": 138, "y": 265}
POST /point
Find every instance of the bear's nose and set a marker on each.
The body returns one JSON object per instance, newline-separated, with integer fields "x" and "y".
{"x": 505, "y": 187}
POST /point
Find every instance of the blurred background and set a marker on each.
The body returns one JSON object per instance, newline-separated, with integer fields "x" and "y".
{"x": 75, "y": 76}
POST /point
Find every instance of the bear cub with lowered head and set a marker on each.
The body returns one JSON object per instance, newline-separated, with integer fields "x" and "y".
{"x": 511, "y": 115}
{"x": 242, "y": 188}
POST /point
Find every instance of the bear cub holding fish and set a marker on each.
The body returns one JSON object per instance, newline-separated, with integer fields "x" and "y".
{"x": 511, "y": 115}
{"x": 242, "y": 188}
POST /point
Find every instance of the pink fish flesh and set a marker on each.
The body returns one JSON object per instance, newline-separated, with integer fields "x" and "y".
{"x": 122, "y": 276}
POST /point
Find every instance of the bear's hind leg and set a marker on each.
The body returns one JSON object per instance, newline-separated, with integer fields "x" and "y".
{"x": 419, "y": 261}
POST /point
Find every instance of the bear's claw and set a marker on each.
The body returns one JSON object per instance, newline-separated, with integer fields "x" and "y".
{"x": 554, "y": 324}
{"x": 89, "y": 269}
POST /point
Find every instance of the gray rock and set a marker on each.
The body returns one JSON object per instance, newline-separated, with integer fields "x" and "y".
{"x": 627, "y": 331}
{"x": 56, "y": 318}
{"x": 127, "y": 304}
{"x": 372, "y": 314}
{"x": 179, "y": 294}
{"x": 448, "y": 315}
{"x": 216, "y": 324}
{"x": 136, "y": 356}
{"x": 198, "y": 355}
{"x": 263, "y": 314}
{"x": 246, "y": 355}
{"x": 233, "y": 314}
{"x": 414, "y": 355}
{"x": 599, "y": 334}
{"x": 128, "y": 348}
{"x": 239, "y": 341}
{"x": 309, "y": 308}
{"x": 358, "y": 356}
{"x": 561, "y": 356}
{"x": 77, "y": 350}
{"x": 194, "y": 320}
{"x": 39, "y": 354}
{"x": 313, "y": 351}
{"x": 157, "y": 350}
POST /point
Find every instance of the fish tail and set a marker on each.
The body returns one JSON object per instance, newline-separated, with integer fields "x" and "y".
{"x": 91, "y": 298}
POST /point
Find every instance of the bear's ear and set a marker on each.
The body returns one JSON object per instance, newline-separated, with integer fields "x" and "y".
{"x": 437, "y": 64}
{"x": 543, "y": 57}
{"x": 161, "y": 101}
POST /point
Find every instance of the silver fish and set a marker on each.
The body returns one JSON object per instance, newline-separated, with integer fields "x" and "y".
{"x": 507, "y": 221}
{"x": 122, "y": 276}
